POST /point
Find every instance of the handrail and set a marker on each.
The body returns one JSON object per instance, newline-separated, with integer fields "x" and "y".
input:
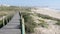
{"x": 5, "y": 19}
{"x": 22, "y": 24}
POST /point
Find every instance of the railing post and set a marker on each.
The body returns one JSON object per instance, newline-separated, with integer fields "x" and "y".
{"x": 3, "y": 21}
{"x": 23, "y": 26}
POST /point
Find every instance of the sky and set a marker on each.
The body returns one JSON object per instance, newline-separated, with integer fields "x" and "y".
{"x": 44, "y": 3}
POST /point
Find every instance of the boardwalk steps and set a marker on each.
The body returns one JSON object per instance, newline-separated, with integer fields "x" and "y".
{"x": 13, "y": 27}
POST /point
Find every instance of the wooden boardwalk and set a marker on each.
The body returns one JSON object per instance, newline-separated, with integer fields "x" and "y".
{"x": 13, "y": 27}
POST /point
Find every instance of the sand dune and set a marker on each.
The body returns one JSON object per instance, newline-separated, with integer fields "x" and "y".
{"x": 47, "y": 11}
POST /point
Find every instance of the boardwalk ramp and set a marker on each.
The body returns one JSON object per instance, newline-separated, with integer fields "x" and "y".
{"x": 13, "y": 27}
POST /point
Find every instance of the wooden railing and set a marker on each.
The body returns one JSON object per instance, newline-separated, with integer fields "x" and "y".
{"x": 5, "y": 20}
{"x": 22, "y": 24}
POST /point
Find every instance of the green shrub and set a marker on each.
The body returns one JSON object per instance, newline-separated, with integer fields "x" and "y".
{"x": 47, "y": 17}
{"x": 58, "y": 23}
{"x": 43, "y": 23}
{"x": 29, "y": 22}
{"x": 11, "y": 8}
